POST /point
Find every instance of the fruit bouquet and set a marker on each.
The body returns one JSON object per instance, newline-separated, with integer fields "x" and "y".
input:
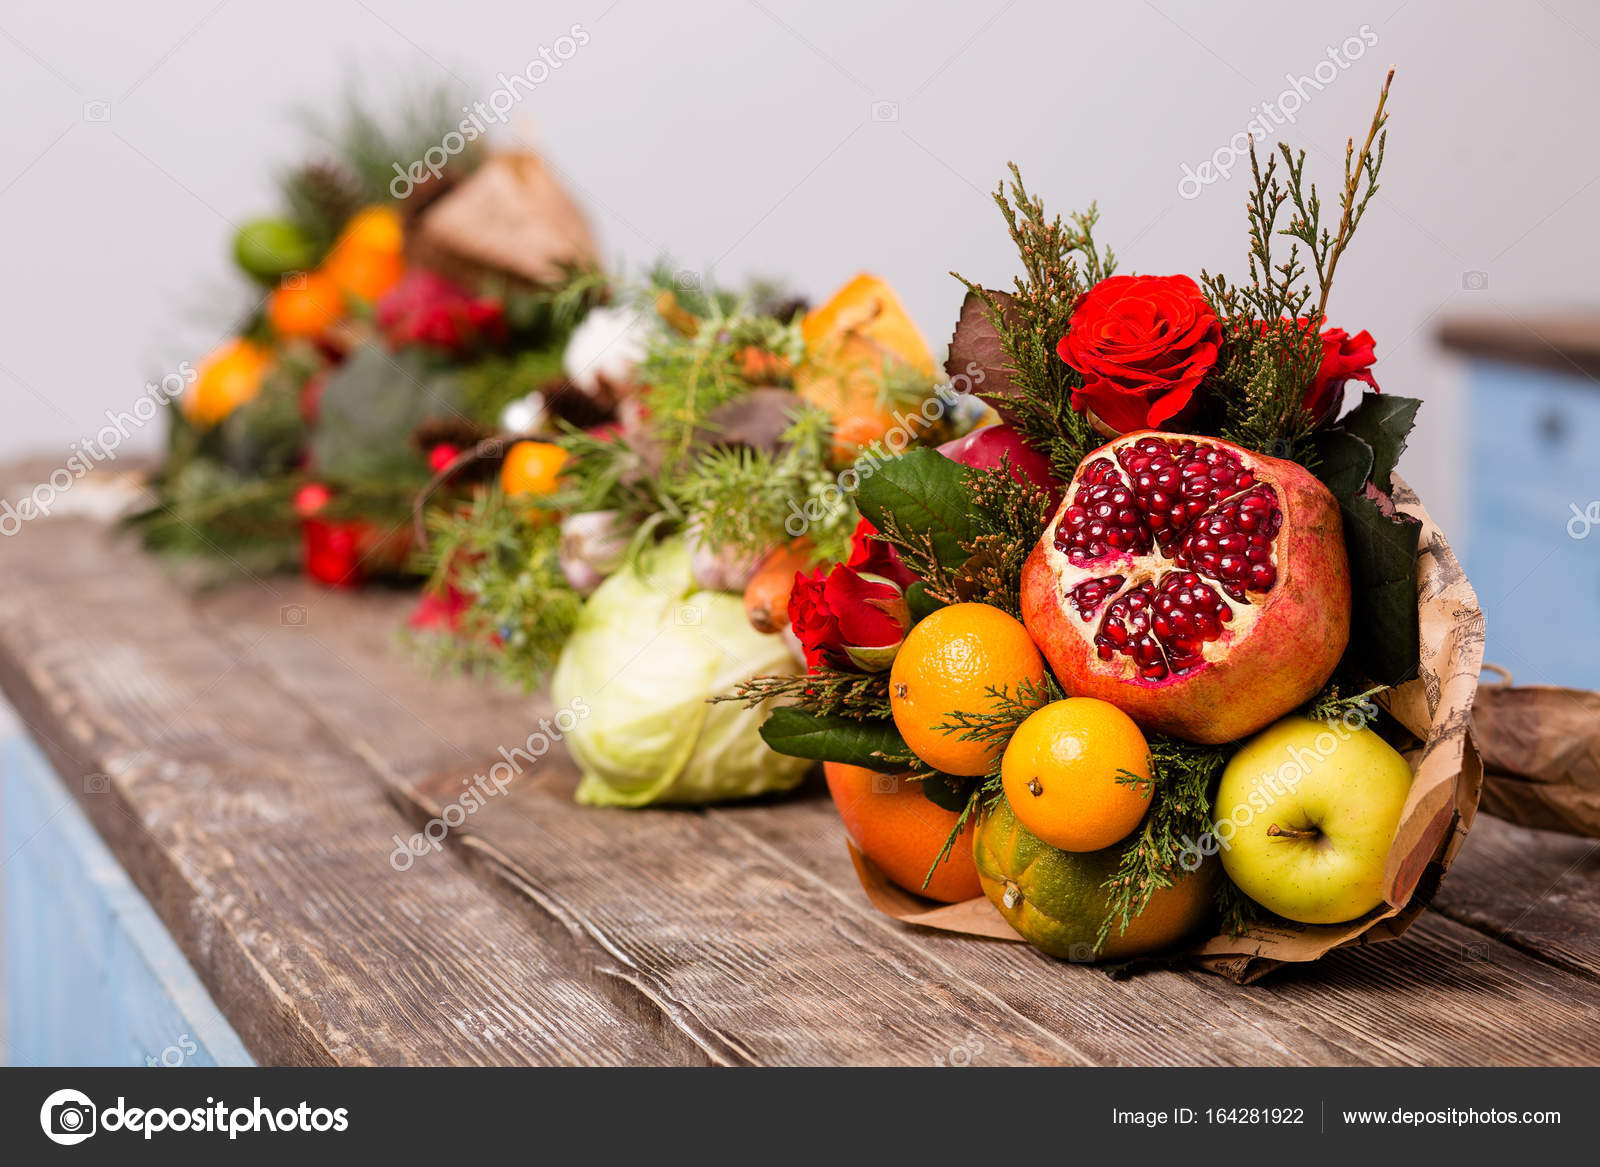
{"x": 392, "y": 325}
{"x": 1186, "y": 668}
{"x": 643, "y": 561}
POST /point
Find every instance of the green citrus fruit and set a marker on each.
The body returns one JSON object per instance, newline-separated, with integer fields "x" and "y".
{"x": 269, "y": 249}
{"x": 1056, "y": 899}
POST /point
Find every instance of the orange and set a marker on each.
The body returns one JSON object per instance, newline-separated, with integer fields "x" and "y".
{"x": 362, "y": 272}
{"x": 893, "y": 824}
{"x": 532, "y": 469}
{"x": 368, "y": 257}
{"x": 374, "y": 228}
{"x": 948, "y": 664}
{"x": 1060, "y": 772}
{"x": 228, "y": 377}
{"x": 305, "y": 305}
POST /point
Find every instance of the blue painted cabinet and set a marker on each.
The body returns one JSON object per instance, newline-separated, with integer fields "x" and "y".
{"x": 89, "y": 974}
{"x": 1532, "y": 546}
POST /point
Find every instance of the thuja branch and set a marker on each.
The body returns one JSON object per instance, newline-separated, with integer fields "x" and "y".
{"x": 1366, "y": 165}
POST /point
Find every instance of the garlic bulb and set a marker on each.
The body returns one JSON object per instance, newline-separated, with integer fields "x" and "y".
{"x": 525, "y": 415}
{"x": 604, "y": 350}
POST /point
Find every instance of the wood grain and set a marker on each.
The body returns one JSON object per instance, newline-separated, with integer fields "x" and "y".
{"x": 794, "y": 849}
{"x": 265, "y": 745}
{"x": 264, "y": 847}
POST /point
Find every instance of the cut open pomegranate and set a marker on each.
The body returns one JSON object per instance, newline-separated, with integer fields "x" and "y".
{"x": 1202, "y": 588}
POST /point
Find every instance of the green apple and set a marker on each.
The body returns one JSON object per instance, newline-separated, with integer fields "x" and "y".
{"x": 1305, "y": 816}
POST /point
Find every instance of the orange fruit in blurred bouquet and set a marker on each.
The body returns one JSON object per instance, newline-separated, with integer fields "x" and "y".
{"x": 362, "y": 273}
{"x": 1061, "y": 774}
{"x": 374, "y": 228}
{"x": 532, "y": 469}
{"x": 893, "y": 824}
{"x": 948, "y": 664}
{"x": 228, "y": 377}
{"x": 368, "y": 257}
{"x": 861, "y": 333}
{"x": 305, "y": 305}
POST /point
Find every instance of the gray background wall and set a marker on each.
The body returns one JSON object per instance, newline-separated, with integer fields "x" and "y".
{"x": 800, "y": 139}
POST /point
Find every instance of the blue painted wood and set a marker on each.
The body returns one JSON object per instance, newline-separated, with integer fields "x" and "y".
{"x": 1532, "y": 546}
{"x": 91, "y": 977}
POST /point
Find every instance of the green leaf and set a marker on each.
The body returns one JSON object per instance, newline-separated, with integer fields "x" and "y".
{"x": 370, "y": 408}
{"x": 876, "y": 745}
{"x": 947, "y": 791}
{"x": 1383, "y": 420}
{"x": 1344, "y": 462}
{"x": 1383, "y": 576}
{"x": 924, "y": 491}
{"x": 922, "y": 605}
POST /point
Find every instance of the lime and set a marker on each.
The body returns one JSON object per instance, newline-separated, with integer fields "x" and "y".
{"x": 269, "y": 249}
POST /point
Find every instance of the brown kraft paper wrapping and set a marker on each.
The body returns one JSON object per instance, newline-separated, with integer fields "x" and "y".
{"x": 1436, "y": 709}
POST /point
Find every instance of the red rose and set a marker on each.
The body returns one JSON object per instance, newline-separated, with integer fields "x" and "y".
{"x": 1344, "y": 358}
{"x": 1142, "y": 344}
{"x": 847, "y": 619}
{"x": 876, "y": 557}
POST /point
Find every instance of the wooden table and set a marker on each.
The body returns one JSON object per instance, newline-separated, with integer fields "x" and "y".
{"x": 264, "y": 746}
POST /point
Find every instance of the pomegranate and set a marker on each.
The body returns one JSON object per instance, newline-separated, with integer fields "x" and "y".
{"x": 1202, "y": 588}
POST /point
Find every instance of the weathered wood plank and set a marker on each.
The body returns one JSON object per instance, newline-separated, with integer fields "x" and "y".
{"x": 1454, "y": 1013}
{"x": 1158, "y": 1018}
{"x": 263, "y": 845}
{"x": 1535, "y": 890}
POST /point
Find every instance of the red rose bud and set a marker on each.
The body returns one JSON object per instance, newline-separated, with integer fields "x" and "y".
{"x": 1143, "y": 344}
{"x": 876, "y": 557}
{"x": 331, "y": 552}
{"x": 848, "y": 619}
{"x": 1344, "y": 358}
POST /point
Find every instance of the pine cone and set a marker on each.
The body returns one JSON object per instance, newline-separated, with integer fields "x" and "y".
{"x": 323, "y": 195}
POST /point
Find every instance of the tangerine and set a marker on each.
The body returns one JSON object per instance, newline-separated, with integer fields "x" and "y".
{"x": 532, "y": 469}
{"x": 960, "y": 659}
{"x": 305, "y": 305}
{"x": 893, "y": 824}
{"x": 1077, "y": 774}
{"x": 228, "y": 377}
{"x": 1057, "y": 900}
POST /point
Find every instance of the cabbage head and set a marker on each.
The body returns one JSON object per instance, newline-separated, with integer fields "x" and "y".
{"x": 648, "y": 652}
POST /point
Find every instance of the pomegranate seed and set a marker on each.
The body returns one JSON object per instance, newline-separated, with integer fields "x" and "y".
{"x": 1234, "y": 544}
{"x": 1091, "y": 593}
{"x": 1192, "y": 503}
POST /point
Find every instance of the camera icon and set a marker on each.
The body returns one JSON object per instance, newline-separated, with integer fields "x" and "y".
{"x": 492, "y": 448}
{"x": 885, "y": 111}
{"x": 1474, "y": 281}
{"x": 961, "y": 1054}
{"x": 292, "y": 615}
{"x": 1475, "y": 953}
{"x": 294, "y": 281}
{"x": 1081, "y": 953}
{"x": 688, "y": 615}
{"x": 686, "y": 281}
{"x": 96, "y": 783}
{"x": 67, "y": 1117}
{"x": 97, "y": 111}
{"x": 885, "y": 784}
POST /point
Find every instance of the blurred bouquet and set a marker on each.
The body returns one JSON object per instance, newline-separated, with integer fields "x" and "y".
{"x": 393, "y": 328}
